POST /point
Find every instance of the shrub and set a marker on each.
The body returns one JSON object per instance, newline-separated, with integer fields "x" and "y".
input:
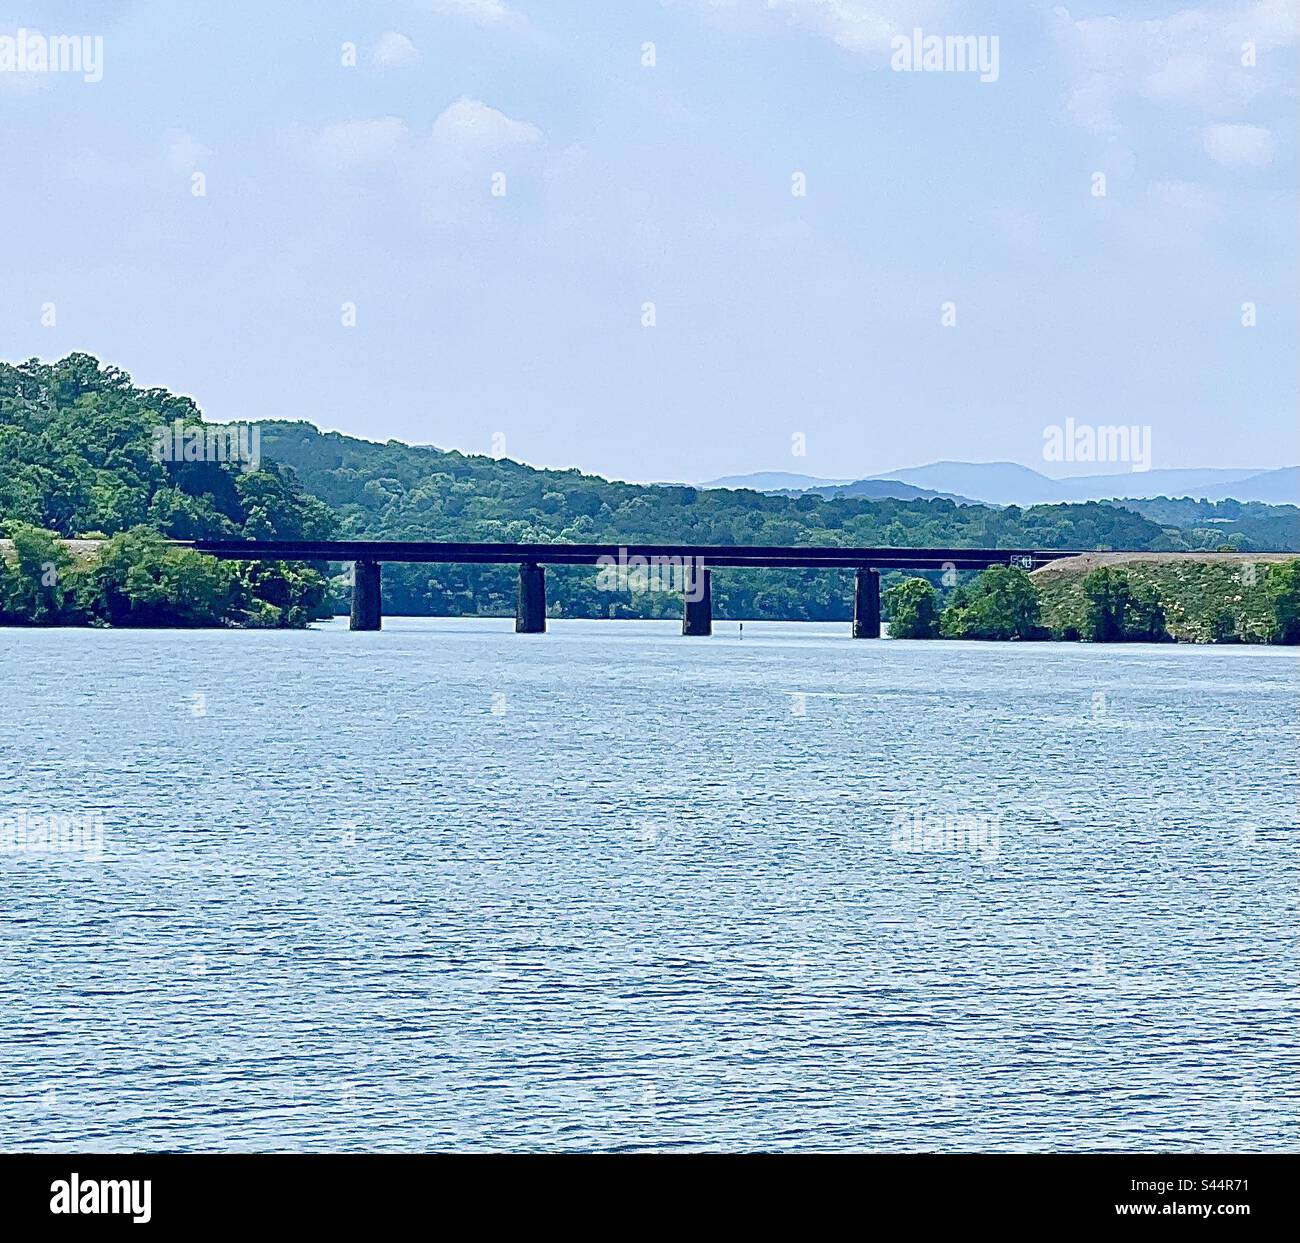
{"x": 1282, "y": 587}
{"x": 40, "y": 587}
{"x": 141, "y": 580}
{"x": 1116, "y": 611}
{"x": 912, "y": 607}
{"x": 1001, "y": 604}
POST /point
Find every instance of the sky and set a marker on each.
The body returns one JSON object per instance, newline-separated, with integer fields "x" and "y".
{"x": 673, "y": 239}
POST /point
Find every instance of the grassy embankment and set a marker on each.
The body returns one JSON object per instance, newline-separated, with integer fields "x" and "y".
{"x": 1196, "y": 589}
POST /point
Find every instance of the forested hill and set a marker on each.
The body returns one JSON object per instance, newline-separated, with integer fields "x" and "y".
{"x": 403, "y": 491}
{"x": 1251, "y": 525}
{"x": 76, "y": 457}
{"x": 398, "y": 491}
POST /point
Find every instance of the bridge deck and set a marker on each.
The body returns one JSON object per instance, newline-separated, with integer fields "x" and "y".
{"x": 735, "y": 555}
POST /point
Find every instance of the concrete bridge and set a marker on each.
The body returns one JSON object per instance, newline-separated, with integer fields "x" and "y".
{"x": 692, "y": 564}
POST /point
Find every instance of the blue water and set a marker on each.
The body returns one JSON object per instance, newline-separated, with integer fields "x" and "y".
{"x": 446, "y": 887}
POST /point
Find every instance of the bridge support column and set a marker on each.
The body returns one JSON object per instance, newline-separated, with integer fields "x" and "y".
{"x": 367, "y": 613}
{"x": 530, "y": 605}
{"x": 697, "y": 612}
{"x": 866, "y": 605}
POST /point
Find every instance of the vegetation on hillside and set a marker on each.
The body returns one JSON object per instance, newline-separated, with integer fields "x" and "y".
{"x": 1200, "y": 601}
{"x": 78, "y": 459}
{"x": 1242, "y": 526}
{"x": 399, "y": 491}
{"x": 1116, "y": 609}
{"x": 1282, "y": 590}
{"x": 1109, "y": 604}
{"x": 136, "y": 578}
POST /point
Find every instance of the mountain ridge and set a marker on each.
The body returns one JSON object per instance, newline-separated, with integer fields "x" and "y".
{"x": 1011, "y": 483}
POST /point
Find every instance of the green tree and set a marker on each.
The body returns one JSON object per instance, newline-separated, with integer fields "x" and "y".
{"x": 77, "y": 453}
{"x": 1106, "y": 597}
{"x": 282, "y": 593}
{"x": 1001, "y": 604}
{"x": 141, "y": 580}
{"x": 1144, "y": 620}
{"x": 1282, "y": 587}
{"x": 1223, "y": 627}
{"x": 912, "y": 607}
{"x": 39, "y": 587}
{"x": 1115, "y": 610}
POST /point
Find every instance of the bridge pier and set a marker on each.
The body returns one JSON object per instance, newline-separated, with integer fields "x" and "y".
{"x": 697, "y": 612}
{"x": 866, "y": 604}
{"x": 530, "y": 604}
{"x": 367, "y": 613}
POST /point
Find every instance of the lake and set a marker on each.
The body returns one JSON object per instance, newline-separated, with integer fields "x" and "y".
{"x": 446, "y": 887}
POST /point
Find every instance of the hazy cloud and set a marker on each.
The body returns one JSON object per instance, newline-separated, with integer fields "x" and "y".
{"x": 355, "y": 144}
{"x": 482, "y": 12}
{"x": 470, "y": 125}
{"x": 393, "y": 50}
{"x": 1239, "y": 146}
{"x": 864, "y": 27}
{"x": 1191, "y": 58}
{"x": 464, "y": 131}
{"x": 855, "y": 25}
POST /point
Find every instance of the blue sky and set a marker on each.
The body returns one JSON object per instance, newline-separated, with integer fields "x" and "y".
{"x": 515, "y": 322}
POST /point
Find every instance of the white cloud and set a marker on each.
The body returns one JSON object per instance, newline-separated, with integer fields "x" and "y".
{"x": 393, "y": 50}
{"x": 465, "y": 133}
{"x": 1184, "y": 77}
{"x": 355, "y": 144}
{"x": 864, "y": 27}
{"x": 852, "y": 24}
{"x": 1192, "y": 58}
{"x": 1269, "y": 24}
{"x": 1239, "y": 146}
{"x": 470, "y": 125}
{"x": 482, "y": 12}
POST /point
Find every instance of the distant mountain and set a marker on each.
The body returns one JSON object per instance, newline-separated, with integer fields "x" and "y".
{"x": 999, "y": 483}
{"x": 772, "y": 481}
{"x": 878, "y": 489}
{"x": 1009, "y": 483}
{"x": 1277, "y": 487}
{"x": 881, "y": 489}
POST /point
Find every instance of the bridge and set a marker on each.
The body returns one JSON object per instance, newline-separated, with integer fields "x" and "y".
{"x": 690, "y": 565}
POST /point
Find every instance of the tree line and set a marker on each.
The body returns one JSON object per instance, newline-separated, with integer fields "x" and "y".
{"x": 1113, "y": 607}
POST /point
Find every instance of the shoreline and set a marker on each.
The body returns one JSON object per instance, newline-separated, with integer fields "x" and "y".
{"x": 724, "y": 629}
